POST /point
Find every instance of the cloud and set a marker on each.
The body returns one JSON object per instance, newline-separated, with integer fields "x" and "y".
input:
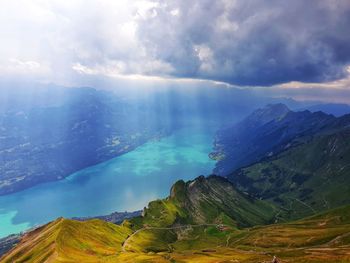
{"x": 250, "y": 42}
{"x": 60, "y": 35}
{"x": 330, "y": 91}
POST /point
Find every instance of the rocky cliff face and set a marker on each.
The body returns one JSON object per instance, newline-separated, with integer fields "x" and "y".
{"x": 214, "y": 200}
{"x": 211, "y": 200}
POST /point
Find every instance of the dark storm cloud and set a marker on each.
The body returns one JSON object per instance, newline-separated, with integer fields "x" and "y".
{"x": 242, "y": 42}
{"x": 250, "y": 42}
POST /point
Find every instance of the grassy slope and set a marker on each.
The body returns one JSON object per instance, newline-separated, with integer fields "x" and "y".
{"x": 206, "y": 200}
{"x": 322, "y": 238}
{"x": 161, "y": 236}
{"x": 306, "y": 179}
{"x": 66, "y": 240}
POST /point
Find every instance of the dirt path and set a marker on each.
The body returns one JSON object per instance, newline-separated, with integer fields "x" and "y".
{"x": 162, "y": 228}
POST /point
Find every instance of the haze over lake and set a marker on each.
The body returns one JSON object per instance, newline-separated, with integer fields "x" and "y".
{"x": 127, "y": 182}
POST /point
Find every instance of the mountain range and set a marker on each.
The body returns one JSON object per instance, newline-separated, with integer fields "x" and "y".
{"x": 269, "y": 131}
{"x": 44, "y": 144}
{"x": 281, "y": 189}
{"x": 48, "y": 132}
{"x": 296, "y": 160}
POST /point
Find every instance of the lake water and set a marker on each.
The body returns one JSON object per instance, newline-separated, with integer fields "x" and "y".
{"x": 127, "y": 182}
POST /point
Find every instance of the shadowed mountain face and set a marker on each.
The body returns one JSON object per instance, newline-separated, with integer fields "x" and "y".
{"x": 267, "y": 132}
{"x": 331, "y": 108}
{"x": 297, "y": 160}
{"x": 48, "y": 143}
{"x": 305, "y": 178}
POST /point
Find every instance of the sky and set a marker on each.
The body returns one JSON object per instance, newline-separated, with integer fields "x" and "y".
{"x": 299, "y": 49}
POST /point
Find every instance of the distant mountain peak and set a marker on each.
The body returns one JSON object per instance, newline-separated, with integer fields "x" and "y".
{"x": 268, "y": 113}
{"x": 336, "y": 109}
{"x": 273, "y": 110}
{"x": 277, "y": 107}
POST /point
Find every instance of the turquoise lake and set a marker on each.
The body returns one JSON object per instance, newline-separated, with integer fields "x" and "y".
{"x": 125, "y": 183}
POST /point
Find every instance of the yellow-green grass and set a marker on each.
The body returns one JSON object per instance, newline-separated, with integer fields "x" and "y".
{"x": 158, "y": 213}
{"x": 220, "y": 255}
{"x": 67, "y": 240}
{"x": 311, "y": 240}
{"x": 321, "y": 238}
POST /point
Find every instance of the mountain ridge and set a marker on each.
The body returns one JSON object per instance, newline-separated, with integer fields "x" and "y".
{"x": 259, "y": 136}
{"x": 298, "y": 161}
{"x": 65, "y": 240}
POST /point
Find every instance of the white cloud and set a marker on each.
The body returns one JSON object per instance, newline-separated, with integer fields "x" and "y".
{"x": 18, "y": 68}
{"x": 205, "y": 55}
{"x": 24, "y": 65}
{"x": 226, "y": 41}
{"x": 60, "y": 38}
{"x": 175, "y": 12}
{"x": 146, "y": 9}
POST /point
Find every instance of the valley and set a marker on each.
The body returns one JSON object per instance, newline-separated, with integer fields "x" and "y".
{"x": 125, "y": 183}
{"x": 85, "y": 129}
{"x": 285, "y": 194}
{"x": 182, "y": 131}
